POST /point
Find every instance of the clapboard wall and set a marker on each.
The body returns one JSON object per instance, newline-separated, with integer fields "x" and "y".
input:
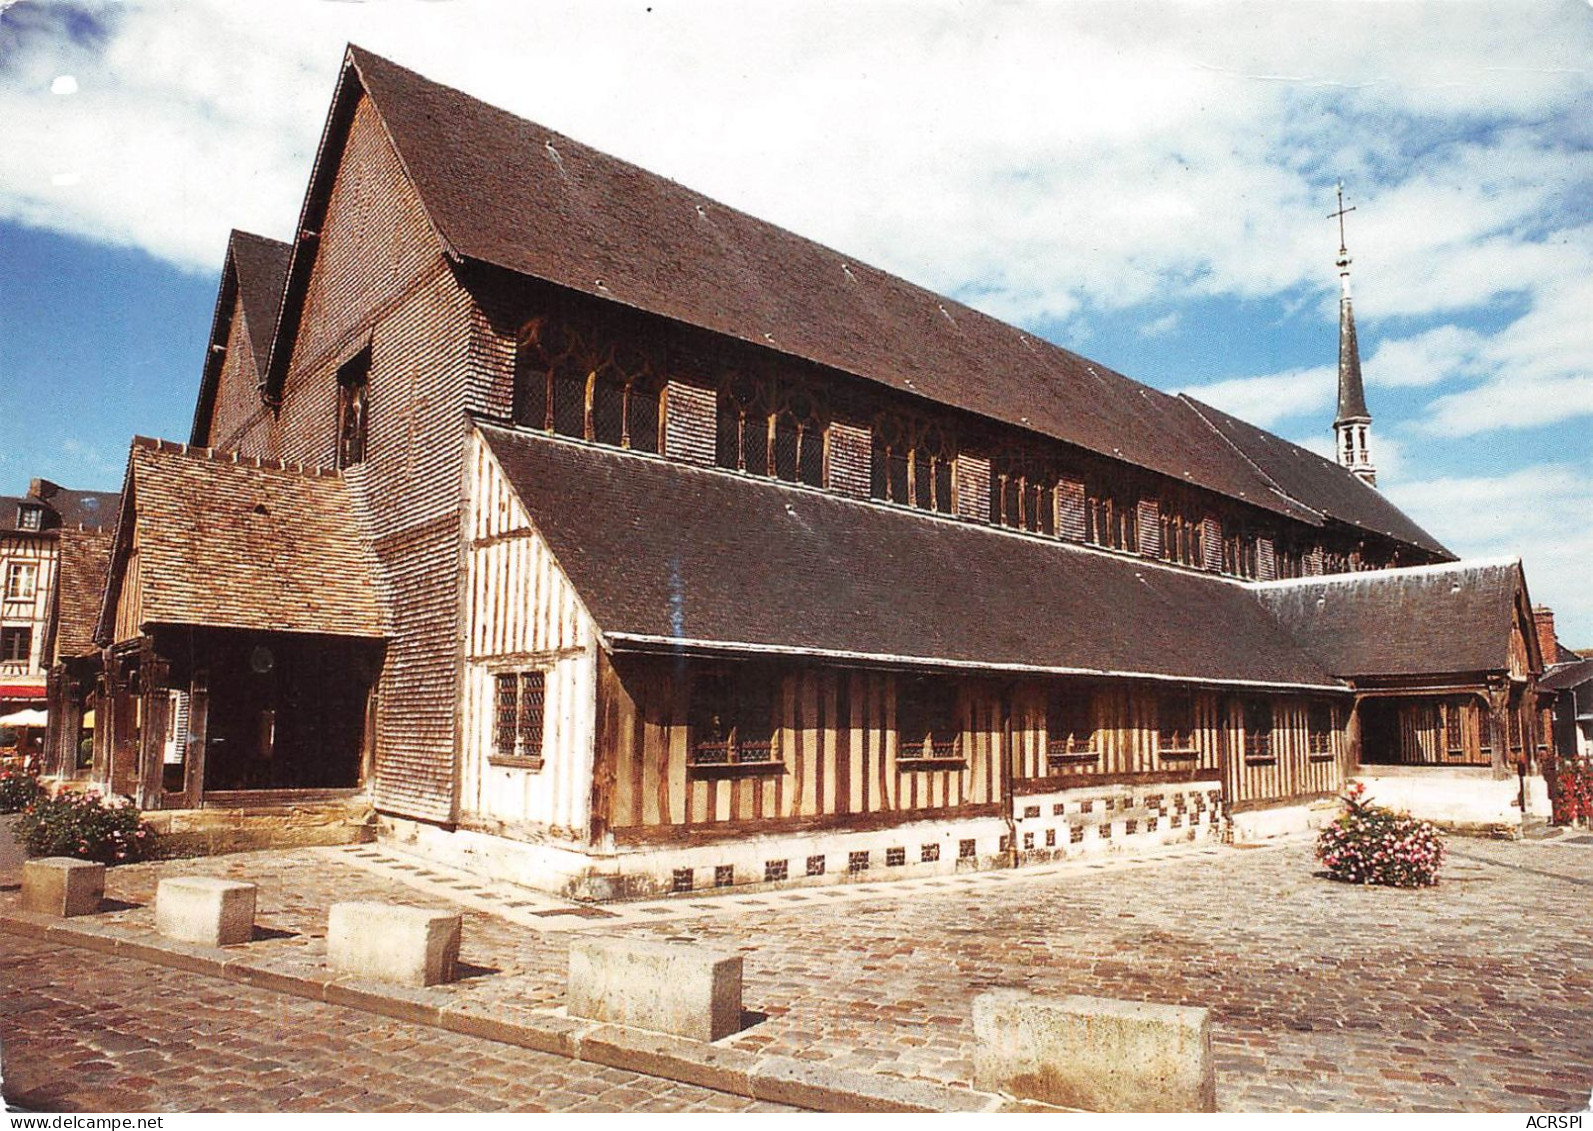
{"x": 522, "y": 616}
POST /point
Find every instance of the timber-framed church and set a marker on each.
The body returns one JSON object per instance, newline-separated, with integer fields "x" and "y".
{"x": 603, "y": 537}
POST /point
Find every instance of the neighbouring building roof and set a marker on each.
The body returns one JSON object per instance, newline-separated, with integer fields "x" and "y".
{"x": 1424, "y": 620}
{"x": 85, "y": 560}
{"x": 506, "y": 192}
{"x": 64, "y": 508}
{"x": 238, "y": 543}
{"x": 1335, "y": 491}
{"x": 1564, "y": 676}
{"x": 665, "y": 554}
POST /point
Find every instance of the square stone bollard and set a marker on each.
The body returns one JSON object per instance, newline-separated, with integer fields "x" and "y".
{"x": 413, "y": 946}
{"x": 668, "y": 987}
{"x": 62, "y": 885}
{"x": 1094, "y": 1054}
{"x": 205, "y": 910}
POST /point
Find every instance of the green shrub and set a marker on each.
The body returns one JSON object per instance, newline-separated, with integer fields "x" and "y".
{"x": 1368, "y": 844}
{"x": 18, "y": 790}
{"x": 87, "y": 826}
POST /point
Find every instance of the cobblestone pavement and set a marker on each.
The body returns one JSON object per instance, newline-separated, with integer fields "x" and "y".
{"x": 85, "y": 1031}
{"x": 1472, "y": 996}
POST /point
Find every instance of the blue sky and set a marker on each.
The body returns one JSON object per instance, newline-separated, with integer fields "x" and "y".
{"x": 1145, "y": 183}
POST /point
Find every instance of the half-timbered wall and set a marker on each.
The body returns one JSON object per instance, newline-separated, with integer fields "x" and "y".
{"x": 838, "y": 760}
{"x": 523, "y": 616}
{"x": 28, "y": 608}
{"x": 1288, "y": 769}
{"x": 1125, "y": 742}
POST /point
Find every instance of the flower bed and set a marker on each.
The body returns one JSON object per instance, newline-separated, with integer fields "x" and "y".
{"x": 1570, "y": 789}
{"x": 87, "y": 826}
{"x": 18, "y": 790}
{"x": 1368, "y": 844}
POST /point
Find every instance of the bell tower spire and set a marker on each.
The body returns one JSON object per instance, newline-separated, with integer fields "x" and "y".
{"x": 1353, "y": 425}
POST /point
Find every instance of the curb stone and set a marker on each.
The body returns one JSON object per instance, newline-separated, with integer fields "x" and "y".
{"x": 735, "y": 1072}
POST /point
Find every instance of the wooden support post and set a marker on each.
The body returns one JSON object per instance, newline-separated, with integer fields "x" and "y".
{"x": 152, "y": 674}
{"x": 198, "y": 727}
{"x": 1499, "y": 723}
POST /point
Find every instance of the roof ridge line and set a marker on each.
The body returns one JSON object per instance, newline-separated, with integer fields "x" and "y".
{"x": 1434, "y": 569}
{"x": 1196, "y": 406}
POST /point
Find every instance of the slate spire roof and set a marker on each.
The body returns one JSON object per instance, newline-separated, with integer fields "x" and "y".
{"x": 1352, "y": 394}
{"x": 508, "y": 193}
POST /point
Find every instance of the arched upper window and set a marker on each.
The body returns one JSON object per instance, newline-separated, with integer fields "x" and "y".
{"x": 579, "y": 382}
{"x": 913, "y": 462}
{"x": 770, "y": 427}
{"x": 1111, "y": 514}
{"x": 1183, "y": 535}
{"x": 1023, "y": 494}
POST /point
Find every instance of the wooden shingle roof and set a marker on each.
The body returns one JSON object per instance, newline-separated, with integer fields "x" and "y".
{"x": 509, "y": 193}
{"x": 85, "y": 561}
{"x": 240, "y": 543}
{"x": 666, "y": 555}
{"x": 1455, "y": 617}
{"x": 1336, "y": 492}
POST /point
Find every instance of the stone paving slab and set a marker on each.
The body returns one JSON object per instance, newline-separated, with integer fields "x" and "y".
{"x": 89, "y": 1031}
{"x": 1324, "y": 996}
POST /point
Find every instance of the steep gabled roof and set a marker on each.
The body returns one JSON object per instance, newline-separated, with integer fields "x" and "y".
{"x": 240, "y": 543}
{"x": 1333, "y": 490}
{"x": 503, "y": 191}
{"x": 85, "y": 561}
{"x": 253, "y": 274}
{"x": 664, "y": 554}
{"x": 1425, "y": 620}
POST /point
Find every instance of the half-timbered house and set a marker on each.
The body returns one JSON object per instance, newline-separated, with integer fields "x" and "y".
{"x": 608, "y": 538}
{"x": 41, "y": 533}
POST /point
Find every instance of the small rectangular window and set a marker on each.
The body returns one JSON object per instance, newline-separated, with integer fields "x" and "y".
{"x": 926, "y": 720}
{"x": 353, "y": 384}
{"x": 518, "y": 708}
{"x": 21, "y": 581}
{"x": 1258, "y": 731}
{"x": 1319, "y": 731}
{"x": 16, "y": 644}
{"x": 1070, "y": 732}
{"x": 1175, "y": 717}
{"x": 30, "y": 517}
{"x": 732, "y": 719}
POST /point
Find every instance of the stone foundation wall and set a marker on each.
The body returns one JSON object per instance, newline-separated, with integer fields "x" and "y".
{"x": 1102, "y": 819}
{"x": 210, "y": 832}
{"x": 1466, "y": 799}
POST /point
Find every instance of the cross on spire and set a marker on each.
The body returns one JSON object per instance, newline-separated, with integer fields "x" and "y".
{"x": 1339, "y": 216}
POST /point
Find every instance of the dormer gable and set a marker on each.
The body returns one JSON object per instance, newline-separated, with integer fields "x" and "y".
{"x": 244, "y": 323}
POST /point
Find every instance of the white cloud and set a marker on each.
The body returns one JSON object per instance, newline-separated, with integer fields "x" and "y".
{"x": 1043, "y": 161}
{"x": 1439, "y": 354}
{"x": 1539, "y": 512}
{"x": 1265, "y": 401}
